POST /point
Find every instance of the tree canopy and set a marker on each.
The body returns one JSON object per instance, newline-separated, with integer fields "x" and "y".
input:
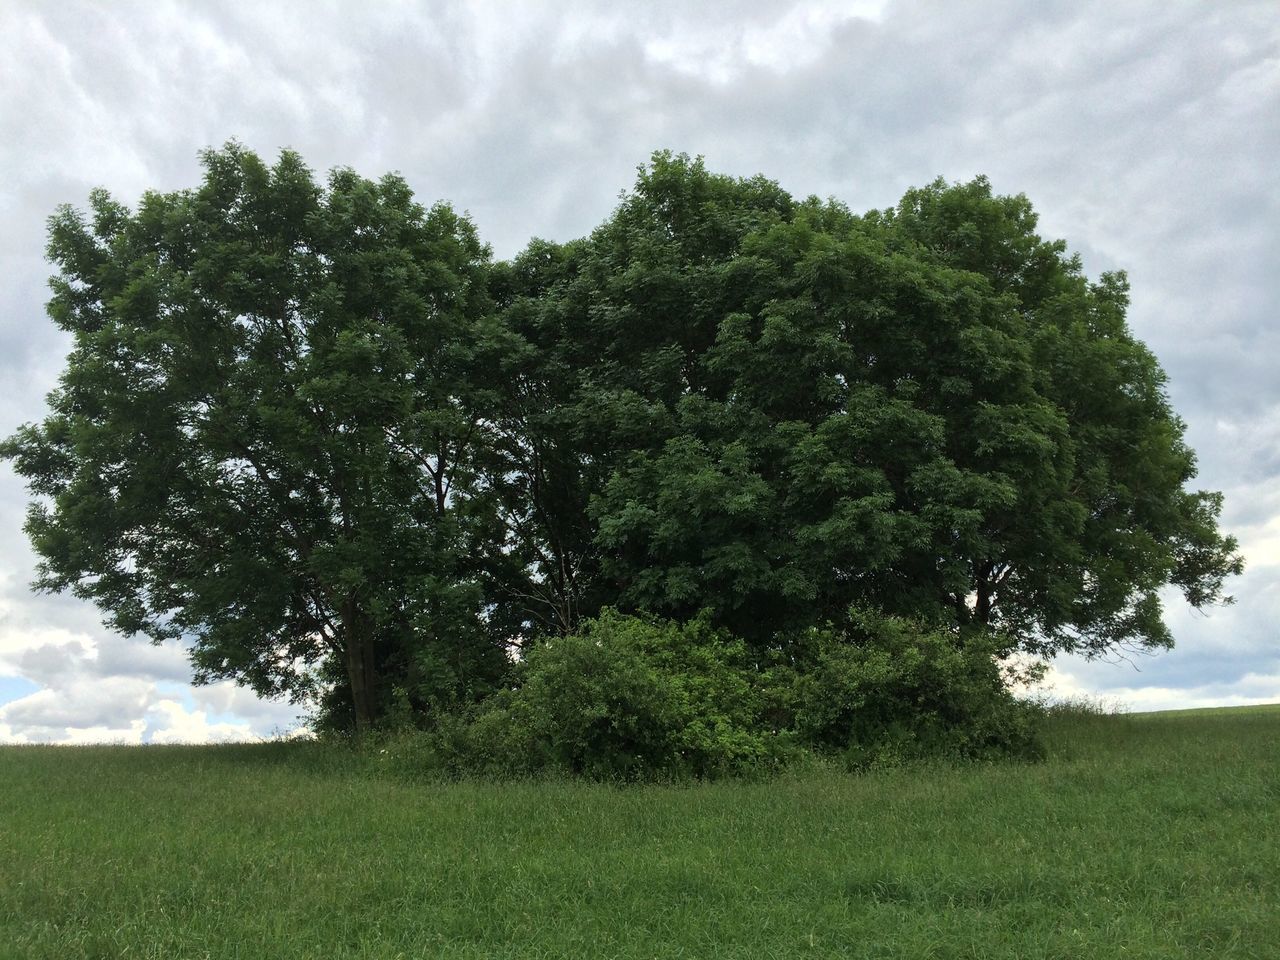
{"x": 263, "y": 441}
{"x": 315, "y": 432}
{"x": 785, "y": 409}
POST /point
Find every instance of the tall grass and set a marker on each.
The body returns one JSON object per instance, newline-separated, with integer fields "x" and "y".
{"x": 1141, "y": 836}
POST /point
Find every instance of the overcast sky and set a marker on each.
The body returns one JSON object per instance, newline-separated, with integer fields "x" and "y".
{"x": 1146, "y": 135}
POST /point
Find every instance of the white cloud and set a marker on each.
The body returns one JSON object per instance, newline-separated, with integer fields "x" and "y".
{"x": 781, "y": 40}
{"x": 267, "y": 717}
{"x": 111, "y": 689}
{"x": 1252, "y": 688}
{"x": 55, "y": 712}
{"x": 131, "y": 710}
{"x": 170, "y": 722}
{"x": 1260, "y": 543}
{"x": 50, "y": 663}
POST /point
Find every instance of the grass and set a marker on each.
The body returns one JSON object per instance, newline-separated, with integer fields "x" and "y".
{"x": 1142, "y": 836}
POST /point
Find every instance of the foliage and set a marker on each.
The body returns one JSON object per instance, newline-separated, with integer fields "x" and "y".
{"x": 636, "y": 698}
{"x": 313, "y": 431}
{"x": 885, "y": 689}
{"x": 788, "y": 409}
{"x": 626, "y": 698}
{"x": 265, "y": 438}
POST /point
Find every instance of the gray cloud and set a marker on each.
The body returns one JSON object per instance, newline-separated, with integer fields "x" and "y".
{"x": 82, "y": 704}
{"x": 1144, "y": 132}
{"x": 50, "y": 663}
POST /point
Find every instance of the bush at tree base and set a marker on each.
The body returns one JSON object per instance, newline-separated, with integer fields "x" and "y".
{"x": 628, "y": 697}
{"x": 637, "y": 698}
{"x": 888, "y": 688}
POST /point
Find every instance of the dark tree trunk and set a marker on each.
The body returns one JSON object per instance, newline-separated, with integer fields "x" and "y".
{"x": 361, "y": 668}
{"x": 990, "y": 577}
{"x": 982, "y": 607}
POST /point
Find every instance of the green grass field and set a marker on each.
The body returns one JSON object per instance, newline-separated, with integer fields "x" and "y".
{"x": 1142, "y": 836}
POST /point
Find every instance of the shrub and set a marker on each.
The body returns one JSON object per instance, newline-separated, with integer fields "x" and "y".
{"x": 630, "y": 698}
{"x": 886, "y": 689}
{"x": 627, "y": 698}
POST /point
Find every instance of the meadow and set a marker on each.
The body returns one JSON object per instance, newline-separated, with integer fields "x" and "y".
{"x": 1141, "y": 836}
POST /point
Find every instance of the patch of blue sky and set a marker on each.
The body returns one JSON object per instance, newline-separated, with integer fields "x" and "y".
{"x": 15, "y": 688}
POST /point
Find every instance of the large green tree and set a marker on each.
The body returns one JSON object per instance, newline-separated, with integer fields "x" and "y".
{"x": 781, "y": 409}
{"x": 264, "y": 441}
{"x": 311, "y": 430}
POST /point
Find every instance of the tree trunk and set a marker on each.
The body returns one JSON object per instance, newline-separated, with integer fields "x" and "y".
{"x": 982, "y": 605}
{"x": 361, "y": 670}
{"x": 991, "y": 577}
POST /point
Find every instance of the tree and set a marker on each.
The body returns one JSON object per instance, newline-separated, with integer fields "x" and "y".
{"x": 929, "y": 410}
{"x": 315, "y": 433}
{"x": 264, "y": 441}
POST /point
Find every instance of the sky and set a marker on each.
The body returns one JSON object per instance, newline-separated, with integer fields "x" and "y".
{"x": 1145, "y": 133}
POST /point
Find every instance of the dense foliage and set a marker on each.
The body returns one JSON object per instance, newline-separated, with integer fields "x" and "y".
{"x": 628, "y": 697}
{"x": 266, "y": 410}
{"x": 781, "y": 409}
{"x": 315, "y": 433}
{"x": 885, "y": 690}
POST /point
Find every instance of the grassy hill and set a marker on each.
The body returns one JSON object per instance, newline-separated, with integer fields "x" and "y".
{"x": 1153, "y": 835}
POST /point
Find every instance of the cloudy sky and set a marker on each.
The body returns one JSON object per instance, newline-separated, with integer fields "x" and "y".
{"x": 1146, "y": 134}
